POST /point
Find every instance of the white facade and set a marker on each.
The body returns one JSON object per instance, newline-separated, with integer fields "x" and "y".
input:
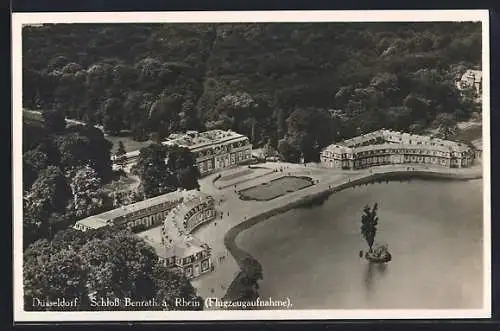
{"x": 390, "y": 147}
{"x": 137, "y": 216}
{"x": 180, "y": 249}
{"x": 214, "y": 150}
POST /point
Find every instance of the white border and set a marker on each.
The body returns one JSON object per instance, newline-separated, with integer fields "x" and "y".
{"x": 19, "y": 19}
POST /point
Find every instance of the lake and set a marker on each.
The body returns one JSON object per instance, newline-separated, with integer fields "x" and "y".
{"x": 433, "y": 229}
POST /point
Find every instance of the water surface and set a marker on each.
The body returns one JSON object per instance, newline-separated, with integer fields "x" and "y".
{"x": 433, "y": 230}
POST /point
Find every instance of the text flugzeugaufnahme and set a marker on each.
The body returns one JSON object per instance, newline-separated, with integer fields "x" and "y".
{"x": 209, "y": 303}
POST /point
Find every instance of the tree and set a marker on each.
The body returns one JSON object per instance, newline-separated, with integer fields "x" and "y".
{"x": 48, "y": 194}
{"x": 54, "y": 120}
{"x": 268, "y": 150}
{"x": 34, "y": 161}
{"x": 86, "y": 188}
{"x": 126, "y": 197}
{"x": 189, "y": 119}
{"x": 369, "y": 221}
{"x": 246, "y": 287}
{"x": 370, "y": 68}
{"x": 100, "y": 263}
{"x": 120, "y": 154}
{"x": 74, "y": 150}
{"x": 112, "y": 116}
{"x": 36, "y": 158}
{"x": 134, "y": 108}
{"x": 85, "y": 144}
{"x": 119, "y": 266}
{"x": 419, "y": 106}
{"x": 239, "y": 107}
{"x": 156, "y": 178}
{"x": 181, "y": 162}
{"x": 416, "y": 128}
{"x": 447, "y": 125}
{"x": 121, "y": 149}
{"x": 281, "y": 123}
{"x": 164, "y": 115}
{"x": 288, "y": 152}
{"x": 50, "y": 274}
{"x": 309, "y": 130}
{"x": 173, "y": 285}
{"x": 99, "y": 153}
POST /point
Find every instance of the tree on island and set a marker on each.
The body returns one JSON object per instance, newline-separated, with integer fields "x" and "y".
{"x": 369, "y": 221}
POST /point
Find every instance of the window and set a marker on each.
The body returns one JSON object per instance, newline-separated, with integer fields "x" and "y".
{"x": 205, "y": 264}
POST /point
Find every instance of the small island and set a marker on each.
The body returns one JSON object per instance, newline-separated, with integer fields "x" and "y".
{"x": 369, "y": 221}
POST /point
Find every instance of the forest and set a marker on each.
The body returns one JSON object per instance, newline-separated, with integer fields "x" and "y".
{"x": 105, "y": 264}
{"x": 66, "y": 169}
{"x": 150, "y": 80}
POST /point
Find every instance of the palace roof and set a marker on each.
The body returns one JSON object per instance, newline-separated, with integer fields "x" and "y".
{"x": 389, "y": 139}
{"x": 336, "y": 148}
{"x": 478, "y": 144}
{"x": 178, "y": 213}
{"x": 126, "y": 210}
{"x": 187, "y": 246}
{"x": 194, "y": 139}
{"x": 439, "y": 148}
{"x": 93, "y": 222}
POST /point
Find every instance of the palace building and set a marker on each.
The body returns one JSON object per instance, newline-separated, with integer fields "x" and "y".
{"x": 137, "y": 216}
{"x": 180, "y": 249}
{"x": 178, "y": 213}
{"x": 214, "y": 149}
{"x": 188, "y": 255}
{"x": 384, "y": 147}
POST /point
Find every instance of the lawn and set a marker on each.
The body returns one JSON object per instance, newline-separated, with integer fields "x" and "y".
{"x": 33, "y": 119}
{"x": 122, "y": 184}
{"x": 129, "y": 143}
{"x": 469, "y": 134}
{"x": 235, "y": 175}
{"x": 275, "y": 188}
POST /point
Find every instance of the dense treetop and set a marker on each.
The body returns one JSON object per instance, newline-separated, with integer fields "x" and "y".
{"x": 161, "y": 78}
{"x": 99, "y": 264}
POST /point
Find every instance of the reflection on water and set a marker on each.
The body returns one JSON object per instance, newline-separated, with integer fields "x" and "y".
{"x": 373, "y": 272}
{"x": 433, "y": 229}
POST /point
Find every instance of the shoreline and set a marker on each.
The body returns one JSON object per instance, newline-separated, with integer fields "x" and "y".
{"x": 245, "y": 260}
